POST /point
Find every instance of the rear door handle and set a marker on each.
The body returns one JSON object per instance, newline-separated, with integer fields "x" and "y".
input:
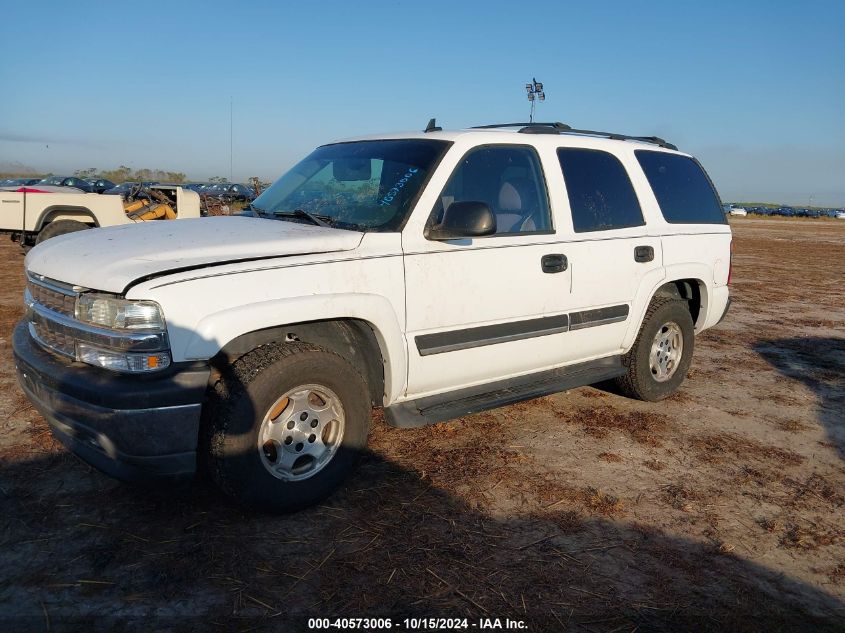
{"x": 643, "y": 254}
{"x": 555, "y": 263}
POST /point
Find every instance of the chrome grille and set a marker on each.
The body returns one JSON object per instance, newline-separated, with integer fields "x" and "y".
{"x": 59, "y": 343}
{"x": 58, "y": 298}
{"x": 61, "y": 302}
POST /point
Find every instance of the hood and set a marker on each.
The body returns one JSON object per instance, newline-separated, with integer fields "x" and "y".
{"x": 110, "y": 259}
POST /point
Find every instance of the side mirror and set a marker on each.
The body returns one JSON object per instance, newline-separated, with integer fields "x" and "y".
{"x": 464, "y": 219}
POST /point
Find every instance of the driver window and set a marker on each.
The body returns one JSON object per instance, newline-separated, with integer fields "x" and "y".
{"x": 509, "y": 180}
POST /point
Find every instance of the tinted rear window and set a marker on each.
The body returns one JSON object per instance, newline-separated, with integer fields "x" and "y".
{"x": 600, "y": 193}
{"x": 682, "y": 189}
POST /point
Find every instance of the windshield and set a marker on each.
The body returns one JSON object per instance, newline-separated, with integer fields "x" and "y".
{"x": 52, "y": 180}
{"x": 365, "y": 185}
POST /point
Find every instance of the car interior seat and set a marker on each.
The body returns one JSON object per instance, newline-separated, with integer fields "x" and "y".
{"x": 517, "y": 209}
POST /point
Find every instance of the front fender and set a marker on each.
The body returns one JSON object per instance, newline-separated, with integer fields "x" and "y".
{"x": 215, "y": 330}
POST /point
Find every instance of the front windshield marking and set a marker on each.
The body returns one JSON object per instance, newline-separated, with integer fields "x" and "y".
{"x": 365, "y": 185}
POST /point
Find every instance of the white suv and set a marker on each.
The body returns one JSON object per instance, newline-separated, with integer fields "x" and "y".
{"x": 435, "y": 274}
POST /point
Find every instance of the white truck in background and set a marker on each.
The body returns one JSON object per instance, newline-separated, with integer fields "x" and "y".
{"x": 32, "y": 215}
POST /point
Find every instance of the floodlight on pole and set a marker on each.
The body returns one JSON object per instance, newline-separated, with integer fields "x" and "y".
{"x": 535, "y": 93}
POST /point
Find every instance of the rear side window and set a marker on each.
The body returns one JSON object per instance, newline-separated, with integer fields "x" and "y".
{"x": 683, "y": 191}
{"x": 600, "y": 193}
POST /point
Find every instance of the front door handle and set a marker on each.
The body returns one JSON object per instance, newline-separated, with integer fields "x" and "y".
{"x": 643, "y": 254}
{"x": 553, "y": 263}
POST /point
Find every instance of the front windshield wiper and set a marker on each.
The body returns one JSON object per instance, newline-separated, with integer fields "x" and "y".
{"x": 261, "y": 213}
{"x": 319, "y": 220}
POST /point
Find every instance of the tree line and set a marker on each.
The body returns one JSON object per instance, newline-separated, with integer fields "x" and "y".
{"x": 124, "y": 174}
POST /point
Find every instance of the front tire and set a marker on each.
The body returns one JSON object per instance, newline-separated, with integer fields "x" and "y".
{"x": 660, "y": 358}
{"x": 285, "y": 426}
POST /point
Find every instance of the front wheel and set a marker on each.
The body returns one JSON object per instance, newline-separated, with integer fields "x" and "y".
{"x": 658, "y": 361}
{"x": 285, "y": 426}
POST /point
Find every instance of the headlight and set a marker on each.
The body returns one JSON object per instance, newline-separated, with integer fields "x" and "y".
{"x": 127, "y": 336}
{"x": 119, "y": 314}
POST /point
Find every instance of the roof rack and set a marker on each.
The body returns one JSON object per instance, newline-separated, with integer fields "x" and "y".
{"x": 556, "y": 125}
{"x": 563, "y": 128}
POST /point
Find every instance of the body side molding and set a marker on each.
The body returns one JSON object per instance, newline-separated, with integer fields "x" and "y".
{"x": 455, "y": 340}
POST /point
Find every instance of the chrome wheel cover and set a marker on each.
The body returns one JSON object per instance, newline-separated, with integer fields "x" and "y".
{"x": 667, "y": 349}
{"x": 301, "y": 432}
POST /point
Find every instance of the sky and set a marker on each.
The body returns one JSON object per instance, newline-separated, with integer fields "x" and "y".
{"x": 755, "y": 90}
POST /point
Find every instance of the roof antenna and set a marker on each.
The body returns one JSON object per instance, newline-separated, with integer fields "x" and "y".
{"x": 432, "y": 126}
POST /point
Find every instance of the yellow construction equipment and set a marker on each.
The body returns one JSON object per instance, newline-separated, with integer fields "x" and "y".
{"x": 157, "y": 207}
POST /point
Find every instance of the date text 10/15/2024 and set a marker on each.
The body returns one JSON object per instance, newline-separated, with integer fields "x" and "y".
{"x": 414, "y": 624}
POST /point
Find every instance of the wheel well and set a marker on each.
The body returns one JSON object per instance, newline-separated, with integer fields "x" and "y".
{"x": 688, "y": 290}
{"x": 353, "y": 339}
{"x": 80, "y": 214}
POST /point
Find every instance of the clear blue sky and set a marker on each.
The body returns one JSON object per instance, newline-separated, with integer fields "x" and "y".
{"x": 755, "y": 89}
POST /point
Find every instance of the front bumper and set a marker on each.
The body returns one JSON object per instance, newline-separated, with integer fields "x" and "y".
{"x": 134, "y": 428}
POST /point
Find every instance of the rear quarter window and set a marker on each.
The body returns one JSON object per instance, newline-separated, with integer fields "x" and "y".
{"x": 601, "y": 196}
{"x": 683, "y": 191}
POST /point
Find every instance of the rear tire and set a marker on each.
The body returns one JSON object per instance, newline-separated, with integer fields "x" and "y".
{"x": 285, "y": 426}
{"x": 658, "y": 361}
{"x": 59, "y": 227}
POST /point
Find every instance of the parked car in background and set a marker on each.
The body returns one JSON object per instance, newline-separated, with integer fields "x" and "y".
{"x": 738, "y": 211}
{"x": 67, "y": 181}
{"x": 230, "y": 192}
{"x": 101, "y": 185}
{"x": 196, "y": 186}
{"x": 18, "y": 182}
{"x": 840, "y": 215}
{"x": 125, "y": 187}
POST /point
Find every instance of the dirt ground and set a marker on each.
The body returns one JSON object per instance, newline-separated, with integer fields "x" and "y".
{"x": 720, "y": 509}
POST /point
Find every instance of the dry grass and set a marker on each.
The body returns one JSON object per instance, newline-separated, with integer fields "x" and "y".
{"x": 586, "y": 501}
{"x": 523, "y": 512}
{"x": 809, "y": 536}
{"x": 772, "y": 526}
{"x": 610, "y": 457}
{"x": 681, "y": 496}
{"x": 792, "y": 426}
{"x": 836, "y": 574}
{"x": 714, "y": 448}
{"x": 643, "y": 427}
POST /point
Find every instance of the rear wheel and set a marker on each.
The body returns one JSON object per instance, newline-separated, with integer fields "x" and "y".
{"x": 59, "y": 227}
{"x": 658, "y": 361}
{"x": 286, "y": 426}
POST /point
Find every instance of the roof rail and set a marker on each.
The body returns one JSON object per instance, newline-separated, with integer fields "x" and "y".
{"x": 562, "y": 128}
{"x": 556, "y": 125}
{"x": 654, "y": 140}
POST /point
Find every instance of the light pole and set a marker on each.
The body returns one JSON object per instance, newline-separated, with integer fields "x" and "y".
{"x": 535, "y": 93}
